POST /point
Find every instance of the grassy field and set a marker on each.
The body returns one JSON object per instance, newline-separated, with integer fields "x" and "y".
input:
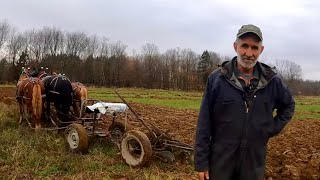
{"x": 307, "y": 107}
{"x": 174, "y": 99}
{"x": 25, "y": 154}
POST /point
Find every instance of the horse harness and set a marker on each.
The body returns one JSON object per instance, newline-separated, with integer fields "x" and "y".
{"x": 31, "y": 79}
{"x": 55, "y": 83}
{"x": 42, "y": 75}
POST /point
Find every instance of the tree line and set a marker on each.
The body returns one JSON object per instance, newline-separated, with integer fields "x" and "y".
{"x": 98, "y": 61}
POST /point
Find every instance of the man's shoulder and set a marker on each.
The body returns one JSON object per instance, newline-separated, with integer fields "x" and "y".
{"x": 215, "y": 73}
{"x": 266, "y": 71}
{"x": 215, "y": 76}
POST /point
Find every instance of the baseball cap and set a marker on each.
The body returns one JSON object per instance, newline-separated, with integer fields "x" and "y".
{"x": 249, "y": 28}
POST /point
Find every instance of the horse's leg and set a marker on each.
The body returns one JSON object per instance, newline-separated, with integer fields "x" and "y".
{"x": 76, "y": 108}
{"x": 30, "y": 118}
{"x": 59, "y": 109}
{"x": 84, "y": 96}
{"x": 48, "y": 111}
{"x": 35, "y": 121}
{"x": 21, "y": 111}
{"x": 46, "y": 107}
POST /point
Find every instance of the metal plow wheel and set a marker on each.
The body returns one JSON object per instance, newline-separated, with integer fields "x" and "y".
{"x": 77, "y": 138}
{"x": 136, "y": 148}
{"x": 117, "y": 130}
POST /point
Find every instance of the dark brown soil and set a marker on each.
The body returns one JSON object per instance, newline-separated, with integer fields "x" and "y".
{"x": 294, "y": 154}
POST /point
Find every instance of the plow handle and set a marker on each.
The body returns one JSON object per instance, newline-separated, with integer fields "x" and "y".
{"x": 135, "y": 114}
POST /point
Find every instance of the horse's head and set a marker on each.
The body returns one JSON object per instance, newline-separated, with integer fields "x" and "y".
{"x": 23, "y": 76}
{"x": 83, "y": 93}
{"x": 80, "y": 94}
{"x": 80, "y": 91}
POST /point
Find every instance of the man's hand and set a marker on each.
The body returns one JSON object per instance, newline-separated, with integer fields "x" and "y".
{"x": 203, "y": 175}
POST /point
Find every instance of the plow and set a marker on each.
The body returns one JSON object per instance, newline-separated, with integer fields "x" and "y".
{"x": 137, "y": 147}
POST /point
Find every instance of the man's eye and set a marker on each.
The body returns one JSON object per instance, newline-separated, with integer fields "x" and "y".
{"x": 244, "y": 45}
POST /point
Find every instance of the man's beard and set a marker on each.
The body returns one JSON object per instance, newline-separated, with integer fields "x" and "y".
{"x": 246, "y": 62}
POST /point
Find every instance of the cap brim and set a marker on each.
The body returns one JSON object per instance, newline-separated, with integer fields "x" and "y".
{"x": 239, "y": 35}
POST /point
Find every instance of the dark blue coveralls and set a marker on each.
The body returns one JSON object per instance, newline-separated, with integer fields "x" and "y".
{"x": 235, "y": 124}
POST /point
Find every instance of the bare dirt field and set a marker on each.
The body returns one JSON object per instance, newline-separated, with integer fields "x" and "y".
{"x": 294, "y": 154}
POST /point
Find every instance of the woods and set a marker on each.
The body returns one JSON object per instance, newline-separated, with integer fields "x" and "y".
{"x": 99, "y": 61}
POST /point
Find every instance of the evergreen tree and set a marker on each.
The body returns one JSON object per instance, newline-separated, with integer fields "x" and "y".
{"x": 204, "y": 68}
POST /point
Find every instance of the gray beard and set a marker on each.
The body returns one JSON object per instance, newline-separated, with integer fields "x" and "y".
{"x": 245, "y": 65}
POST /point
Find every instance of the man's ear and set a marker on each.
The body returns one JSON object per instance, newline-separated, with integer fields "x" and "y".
{"x": 262, "y": 48}
{"x": 235, "y": 46}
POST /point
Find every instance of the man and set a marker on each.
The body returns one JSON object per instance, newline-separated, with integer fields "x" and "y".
{"x": 236, "y": 116}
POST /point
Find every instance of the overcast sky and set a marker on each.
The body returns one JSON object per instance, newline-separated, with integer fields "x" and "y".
{"x": 290, "y": 27}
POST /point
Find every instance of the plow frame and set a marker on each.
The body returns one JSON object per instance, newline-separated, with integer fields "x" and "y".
{"x": 162, "y": 144}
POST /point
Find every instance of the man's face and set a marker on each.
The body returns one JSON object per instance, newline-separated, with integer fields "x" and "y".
{"x": 248, "y": 50}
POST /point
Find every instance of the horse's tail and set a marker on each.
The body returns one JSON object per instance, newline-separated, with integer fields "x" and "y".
{"x": 37, "y": 104}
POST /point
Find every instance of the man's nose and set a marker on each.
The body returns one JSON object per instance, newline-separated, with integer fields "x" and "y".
{"x": 249, "y": 52}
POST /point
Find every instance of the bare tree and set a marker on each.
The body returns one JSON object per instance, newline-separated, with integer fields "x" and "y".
{"x": 76, "y": 43}
{"x": 53, "y": 40}
{"x": 118, "y": 62}
{"x": 105, "y": 47}
{"x": 172, "y": 56}
{"x": 93, "y": 46}
{"x": 4, "y": 32}
{"x": 188, "y": 69}
{"x": 36, "y": 42}
{"x": 288, "y": 70}
{"x": 152, "y": 66}
{"x": 117, "y": 49}
{"x": 291, "y": 73}
{"x": 215, "y": 60}
{"x": 16, "y": 44}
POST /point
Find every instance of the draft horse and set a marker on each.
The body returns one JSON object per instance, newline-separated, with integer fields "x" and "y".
{"x": 80, "y": 94}
{"x": 29, "y": 97}
{"x": 58, "y": 90}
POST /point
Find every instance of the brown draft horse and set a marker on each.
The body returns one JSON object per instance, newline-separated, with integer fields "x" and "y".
{"x": 29, "y": 96}
{"x": 80, "y": 94}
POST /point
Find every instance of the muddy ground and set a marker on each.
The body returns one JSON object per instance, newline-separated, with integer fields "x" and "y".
{"x": 294, "y": 154}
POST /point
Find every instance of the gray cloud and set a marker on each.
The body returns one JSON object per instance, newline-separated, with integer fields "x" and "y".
{"x": 290, "y": 29}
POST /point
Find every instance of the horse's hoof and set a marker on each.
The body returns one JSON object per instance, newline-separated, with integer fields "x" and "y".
{"x": 38, "y": 127}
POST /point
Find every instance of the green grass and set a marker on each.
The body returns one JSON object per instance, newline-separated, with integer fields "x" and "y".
{"x": 173, "y": 99}
{"x": 307, "y": 107}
